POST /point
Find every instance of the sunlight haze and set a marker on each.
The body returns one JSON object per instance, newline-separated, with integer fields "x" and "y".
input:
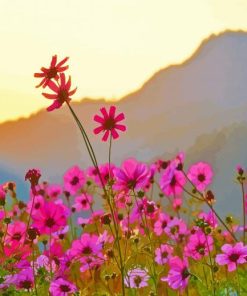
{"x": 114, "y": 45}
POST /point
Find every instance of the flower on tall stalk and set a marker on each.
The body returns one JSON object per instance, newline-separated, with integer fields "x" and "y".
{"x": 136, "y": 278}
{"x": 62, "y": 287}
{"x": 200, "y": 174}
{"x": 178, "y": 276}
{"x": 133, "y": 175}
{"x": 74, "y": 179}
{"x": 52, "y": 72}
{"x": 163, "y": 254}
{"x": 232, "y": 256}
{"x": 109, "y": 123}
{"x": 62, "y": 92}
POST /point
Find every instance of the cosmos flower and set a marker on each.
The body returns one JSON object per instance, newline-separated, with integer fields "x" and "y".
{"x": 52, "y": 72}
{"x": 62, "y": 287}
{"x": 132, "y": 175}
{"x": 161, "y": 224}
{"x": 136, "y": 278}
{"x": 199, "y": 245}
{"x": 178, "y": 276}
{"x": 232, "y": 256}
{"x": 163, "y": 254}
{"x": 49, "y": 218}
{"x": 74, "y": 179}
{"x": 176, "y": 228}
{"x": 83, "y": 202}
{"x": 109, "y": 123}
{"x": 62, "y": 92}
{"x": 200, "y": 174}
{"x": 106, "y": 171}
{"x": 33, "y": 176}
{"x": 16, "y": 233}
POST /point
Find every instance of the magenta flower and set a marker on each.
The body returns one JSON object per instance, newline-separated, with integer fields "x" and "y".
{"x": 163, "y": 254}
{"x": 172, "y": 181}
{"x": 24, "y": 279}
{"x": 16, "y": 233}
{"x": 176, "y": 228}
{"x": 133, "y": 175}
{"x": 62, "y": 287}
{"x": 209, "y": 218}
{"x": 83, "y": 202}
{"x": 105, "y": 171}
{"x": 52, "y": 72}
{"x": 200, "y": 174}
{"x": 178, "y": 276}
{"x": 233, "y": 255}
{"x": 161, "y": 224}
{"x": 109, "y": 123}
{"x": 62, "y": 92}
{"x": 49, "y": 218}
{"x": 199, "y": 245}
{"x": 87, "y": 250}
{"x": 53, "y": 191}
{"x": 74, "y": 179}
{"x": 136, "y": 278}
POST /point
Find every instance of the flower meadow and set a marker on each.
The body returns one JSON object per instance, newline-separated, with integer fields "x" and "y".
{"x": 158, "y": 232}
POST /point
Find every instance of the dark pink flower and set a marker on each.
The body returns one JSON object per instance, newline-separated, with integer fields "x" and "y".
{"x": 53, "y": 191}
{"x": 52, "y": 72}
{"x": 83, "y": 202}
{"x": 133, "y": 175}
{"x": 109, "y": 123}
{"x": 24, "y": 279}
{"x": 136, "y": 278}
{"x": 106, "y": 172}
{"x": 209, "y": 218}
{"x": 74, "y": 179}
{"x": 16, "y": 233}
{"x": 62, "y": 287}
{"x": 161, "y": 224}
{"x": 50, "y": 217}
{"x": 176, "y": 228}
{"x": 200, "y": 174}
{"x": 33, "y": 177}
{"x": 233, "y": 255}
{"x": 62, "y": 92}
{"x": 163, "y": 254}
{"x": 199, "y": 245}
{"x": 178, "y": 276}
{"x": 172, "y": 181}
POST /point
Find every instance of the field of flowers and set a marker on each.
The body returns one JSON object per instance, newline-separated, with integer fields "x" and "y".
{"x": 158, "y": 232}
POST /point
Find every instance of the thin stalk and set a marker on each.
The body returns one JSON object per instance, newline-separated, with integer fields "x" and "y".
{"x": 244, "y": 216}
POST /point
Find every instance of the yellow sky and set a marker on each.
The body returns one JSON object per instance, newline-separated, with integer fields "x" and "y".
{"x": 114, "y": 45}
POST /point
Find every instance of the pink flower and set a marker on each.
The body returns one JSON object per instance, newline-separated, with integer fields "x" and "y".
{"x": 105, "y": 171}
{"x": 199, "y": 245}
{"x": 16, "y": 233}
{"x": 136, "y": 278}
{"x": 24, "y": 279}
{"x": 172, "y": 181}
{"x": 209, "y": 218}
{"x": 200, "y": 174}
{"x": 121, "y": 200}
{"x": 133, "y": 175}
{"x": 62, "y": 92}
{"x": 74, "y": 179}
{"x": 163, "y": 254}
{"x": 83, "y": 202}
{"x": 233, "y": 255}
{"x": 178, "y": 276}
{"x": 87, "y": 250}
{"x": 49, "y": 218}
{"x": 109, "y": 123}
{"x": 176, "y": 228}
{"x": 161, "y": 224}
{"x": 62, "y": 287}
{"x": 52, "y": 72}
{"x": 53, "y": 191}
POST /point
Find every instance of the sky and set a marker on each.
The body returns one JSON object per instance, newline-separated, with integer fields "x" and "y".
{"x": 114, "y": 45}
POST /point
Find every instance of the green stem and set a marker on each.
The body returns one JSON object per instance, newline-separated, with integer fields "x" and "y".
{"x": 244, "y": 216}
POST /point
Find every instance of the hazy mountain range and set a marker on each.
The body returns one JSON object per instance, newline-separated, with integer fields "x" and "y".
{"x": 198, "y": 106}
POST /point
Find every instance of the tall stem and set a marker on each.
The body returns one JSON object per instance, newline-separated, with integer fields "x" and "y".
{"x": 244, "y": 216}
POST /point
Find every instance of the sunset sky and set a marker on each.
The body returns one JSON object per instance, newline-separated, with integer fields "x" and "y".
{"x": 114, "y": 45}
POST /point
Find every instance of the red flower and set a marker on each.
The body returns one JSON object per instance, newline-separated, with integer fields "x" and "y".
{"x": 62, "y": 92}
{"x": 52, "y": 71}
{"x": 109, "y": 123}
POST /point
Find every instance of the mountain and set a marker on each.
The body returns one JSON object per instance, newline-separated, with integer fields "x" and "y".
{"x": 178, "y": 104}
